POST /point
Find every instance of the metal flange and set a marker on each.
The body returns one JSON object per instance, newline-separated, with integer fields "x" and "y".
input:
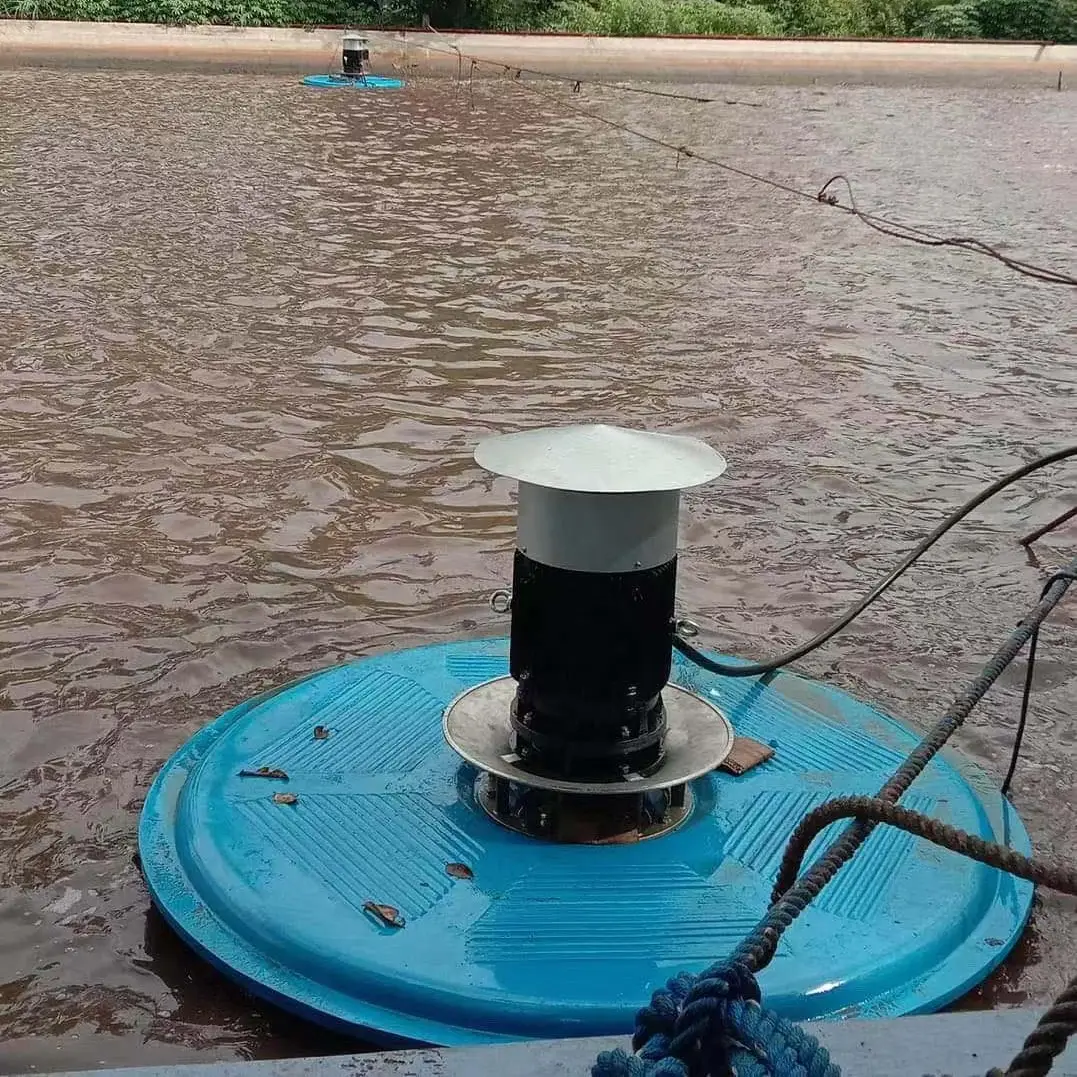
{"x": 698, "y": 738}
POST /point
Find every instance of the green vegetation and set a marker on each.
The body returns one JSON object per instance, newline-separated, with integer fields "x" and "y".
{"x": 1043, "y": 20}
{"x": 642, "y": 17}
{"x": 1038, "y": 20}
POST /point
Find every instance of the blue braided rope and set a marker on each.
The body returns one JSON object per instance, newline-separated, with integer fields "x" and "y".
{"x": 713, "y": 1025}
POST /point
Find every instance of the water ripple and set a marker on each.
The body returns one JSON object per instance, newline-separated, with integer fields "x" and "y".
{"x": 250, "y": 335}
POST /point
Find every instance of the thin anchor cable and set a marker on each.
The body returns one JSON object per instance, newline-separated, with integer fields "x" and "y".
{"x": 910, "y": 234}
{"x": 1026, "y": 696}
{"x": 1026, "y": 693}
{"x": 1047, "y": 528}
{"x": 574, "y": 81}
{"x": 886, "y": 226}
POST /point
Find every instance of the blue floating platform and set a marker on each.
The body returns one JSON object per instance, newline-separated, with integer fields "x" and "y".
{"x": 366, "y": 82}
{"x": 549, "y": 940}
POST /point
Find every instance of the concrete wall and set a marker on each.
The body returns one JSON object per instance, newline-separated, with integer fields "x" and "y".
{"x": 69, "y": 44}
{"x": 955, "y": 1045}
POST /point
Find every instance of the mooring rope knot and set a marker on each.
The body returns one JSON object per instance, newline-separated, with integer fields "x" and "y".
{"x": 714, "y": 1025}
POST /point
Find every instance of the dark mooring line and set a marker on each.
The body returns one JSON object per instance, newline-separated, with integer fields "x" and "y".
{"x": 894, "y": 229}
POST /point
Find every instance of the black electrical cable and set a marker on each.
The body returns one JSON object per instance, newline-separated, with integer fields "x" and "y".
{"x": 757, "y": 669}
{"x": 1026, "y": 694}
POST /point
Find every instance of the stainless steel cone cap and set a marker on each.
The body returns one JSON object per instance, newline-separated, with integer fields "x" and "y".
{"x": 601, "y": 459}
{"x": 599, "y": 498}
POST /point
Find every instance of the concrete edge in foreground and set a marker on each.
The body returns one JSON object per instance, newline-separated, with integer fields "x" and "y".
{"x": 955, "y": 1044}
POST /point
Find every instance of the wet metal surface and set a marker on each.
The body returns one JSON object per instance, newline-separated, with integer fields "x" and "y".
{"x": 250, "y": 334}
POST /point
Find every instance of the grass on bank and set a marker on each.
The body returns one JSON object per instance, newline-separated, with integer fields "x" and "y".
{"x": 1036, "y": 20}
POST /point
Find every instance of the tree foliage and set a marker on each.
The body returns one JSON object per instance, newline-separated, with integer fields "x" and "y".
{"x": 1037, "y": 20}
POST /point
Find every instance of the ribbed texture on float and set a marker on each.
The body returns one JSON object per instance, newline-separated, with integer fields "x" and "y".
{"x": 380, "y": 723}
{"x": 759, "y": 837}
{"x": 389, "y": 849}
{"x": 578, "y": 912}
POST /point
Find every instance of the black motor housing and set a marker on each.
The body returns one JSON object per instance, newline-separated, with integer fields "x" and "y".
{"x": 355, "y": 57}
{"x": 591, "y": 653}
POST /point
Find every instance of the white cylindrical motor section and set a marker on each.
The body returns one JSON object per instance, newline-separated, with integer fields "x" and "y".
{"x": 585, "y": 532}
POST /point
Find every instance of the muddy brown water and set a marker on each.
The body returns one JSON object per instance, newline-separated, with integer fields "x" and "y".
{"x": 249, "y": 334}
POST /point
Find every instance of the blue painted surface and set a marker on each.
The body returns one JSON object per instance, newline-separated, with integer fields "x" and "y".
{"x": 552, "y": 940}
{"x": 367, "y": 82}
